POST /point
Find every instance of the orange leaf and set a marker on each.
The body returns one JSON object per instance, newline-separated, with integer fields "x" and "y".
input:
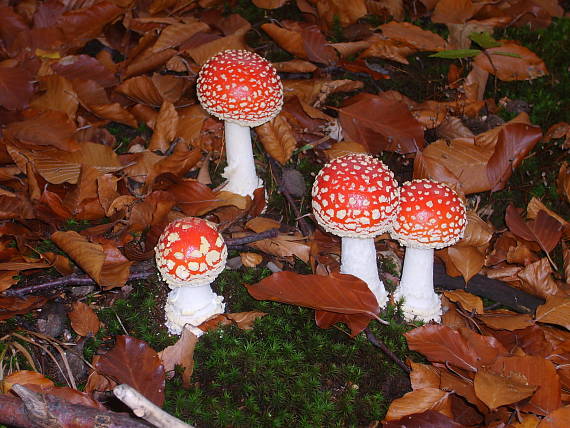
{"x": 278, "y": 138}
{"x": 556, "y": 310}
{"x": 468, "y": 301}
{"x": 25, "y": 377}
{"x": 496, "y": 390}
{"x": 84, "y": 320}
{"x": 419, "y": 401}
{"x": 519, "y": 64}
{"x": 180, "y": 354}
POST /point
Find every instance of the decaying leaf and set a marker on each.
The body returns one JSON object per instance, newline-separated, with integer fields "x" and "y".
{"x": 180, "y": 354}
{"x": 133, "y": 362}
{"x": 468, "y": 301}
{"x": 419, "y": 401}
{"x": 556, "y": 310}
{"x": 84, "y": 320}
{"x": 496, "y": 390}
{"x": 278, "y": 138}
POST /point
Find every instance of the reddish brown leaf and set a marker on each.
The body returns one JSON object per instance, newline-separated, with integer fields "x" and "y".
{"x": 47, "y": 129}
{"x": 519, "y": 64}
{"x": 278, "y": 138}
{"x": 445, "y": 345}
{"x": 381, "y": 124}
{"x": 496, "y": 390}
{"x": 245, "y": 320}
{"x": 412, "y": 34}
{"x": 84, "y": 320}
{"x": 317, "y": 47}
{"x": 453, "y": 11}
{"x": 16, "y": 87}
{"x": 515, "y": 141}
{"x": 556, "y": 419}
{"x": 537, "y": 371}
{"x": 427, "y": 419}
{"x": 290, "y": 40}
{"x": 10, "y": 306}
{"x": 556, "y": 310}
{"x": 507, "y": 320}
{"x": 180, "y": 354}
{"x": 424, "y": 376}
{"x": 468, "y": 301}
{"x": 133, "y": 362}
{"x": 339, "y": 293}
{"x": 419, "y": 401}
{"x": 84, "y": 67}
{"x": 545, "y": 230}
{"x": 356, "y": 322}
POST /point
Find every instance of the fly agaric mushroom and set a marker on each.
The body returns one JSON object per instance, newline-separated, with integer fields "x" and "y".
{"x": 244, "y": 90}
{"x": 355, "y": 197}
{"x": 190, "y": 254}
{"x": 430, "y": 215}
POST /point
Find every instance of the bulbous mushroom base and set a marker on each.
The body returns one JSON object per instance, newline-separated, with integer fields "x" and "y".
{"x": 416, "y": 286}
{"x": 419, "y": 307}
{"x": 191, "y": 306}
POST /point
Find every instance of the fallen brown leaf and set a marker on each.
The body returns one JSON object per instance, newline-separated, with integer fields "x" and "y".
{"x": 180, "y": 354}
{"x": 556, "y": 310}
{"x": 496, "y": 390}
{"x": 84, "y": 320}
{"x": 419, "y": 401}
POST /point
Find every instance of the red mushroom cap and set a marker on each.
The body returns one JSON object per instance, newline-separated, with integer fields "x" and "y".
{"x": 190, "y": 252}
{"x": 240, "y": 86}
{"x": 430, "y": 215}
{"x": 355, "y": 196}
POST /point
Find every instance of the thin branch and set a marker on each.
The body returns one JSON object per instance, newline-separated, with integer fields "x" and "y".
{"x": 236, "y": 242}
{"x": 382, "y": 346}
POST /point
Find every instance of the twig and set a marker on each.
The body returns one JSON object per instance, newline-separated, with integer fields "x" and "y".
{"x": 145, "y": 409}
{"x": 379, "y": 344}
{"x": 236, "y": 242}
{"x": 305, "y": 228}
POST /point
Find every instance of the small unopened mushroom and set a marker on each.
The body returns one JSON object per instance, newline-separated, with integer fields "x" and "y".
{"x": 430, "y": 216}
{"x": 190, "y": 254}
{"x": 244, "y": 90}
{"x": 355, "y": 197}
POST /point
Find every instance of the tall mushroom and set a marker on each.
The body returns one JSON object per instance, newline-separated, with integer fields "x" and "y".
{"x": 355, "y": 197}
{"x": 430, "y": 215}
{"x": 190, "y": 254}
{"x": 244, "y": 90}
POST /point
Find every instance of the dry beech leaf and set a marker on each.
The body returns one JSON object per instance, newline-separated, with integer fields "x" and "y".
{"x": 347, "y": 12}
{"x": 467, "y": 260}
{"x": 419, "y": 401}
{"x": 284, "y": 246}
{"x": 545, "y": 230}
{"x": 173, "y": 35}
{"x": 556, "y": 310}
{"x": 382, "y": 47}
{"x": 496, "y": 390}
{"x": 262, "y": 224}
{"x": 427, "y": 419}
{"x": 180, "y": 354}
{"x": 25, "y": 377}
{"x": 269, "y": 4}
{"x": 397, "y": 131}
{"x": 165, "y": 128}
{"x": 442, "y": 344}
{"x": 278, "y": 138}
{"x": 59, "y": 96}
{"x": 133, "y": 362}
{"x": 245, "y": 320}
{"x": 343, "y": 148}
{"x": 290, "y": 40}
{"x": 69, "y": 395}
{"x": 453, "y": 11}
{"x": 537, "y": 371}
{"x": 295, "y": 66}
{"x": 468, "y": 301}
{"x": 17, "y": 87}
{"x": 537, "y": 279}
{"x": 84, "y": 320}
{"x": 413, "y": 35}
{"x": 566, "y": 261}
{"x": 556, "y": 419}
{"x": 424, "y": 376}
{"x": 104, "y": 264}
{"x": 251, "y": 259}
{"x": 519, "y": 64}
{"x": 344, "y": 294}
{"x": 478, "y": 233}
{"x": 506, "y": 320}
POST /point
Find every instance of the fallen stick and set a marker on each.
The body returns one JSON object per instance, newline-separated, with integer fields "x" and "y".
{"x": 489, "y": 288}
{"x": 382, "y": 346}
{"x": 34, "y": 410}
{"x": 147, "y": 410}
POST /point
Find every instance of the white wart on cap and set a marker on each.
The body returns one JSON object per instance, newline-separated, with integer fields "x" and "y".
{"x": 355, "y": 196}
{"x": 241, "y": 87}
{"x": 430, "y": 215}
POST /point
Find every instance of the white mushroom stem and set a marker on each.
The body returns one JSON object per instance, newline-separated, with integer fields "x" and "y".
{"x": 240, "y": 172}
{"x": 191, "y": 306}
{"x": 359, "y": 259}
{"x": 416, "y": 286}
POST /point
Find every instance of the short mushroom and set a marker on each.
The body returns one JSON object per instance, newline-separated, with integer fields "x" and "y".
{"x": 190, "y": 254}
{"x": 244, "y": 90}
{"x": 355, "y": 197}
{"x": 430, "y": 216}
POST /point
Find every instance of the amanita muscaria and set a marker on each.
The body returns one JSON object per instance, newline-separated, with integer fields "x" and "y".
{"x": 244, "y": 90}
{"x": 430, "y": 216}
{"x": 190, "y": 254}
{"x": 355, "y": 197}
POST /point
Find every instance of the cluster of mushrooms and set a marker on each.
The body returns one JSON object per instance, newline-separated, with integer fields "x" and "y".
{"x": 354, "y": 196}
